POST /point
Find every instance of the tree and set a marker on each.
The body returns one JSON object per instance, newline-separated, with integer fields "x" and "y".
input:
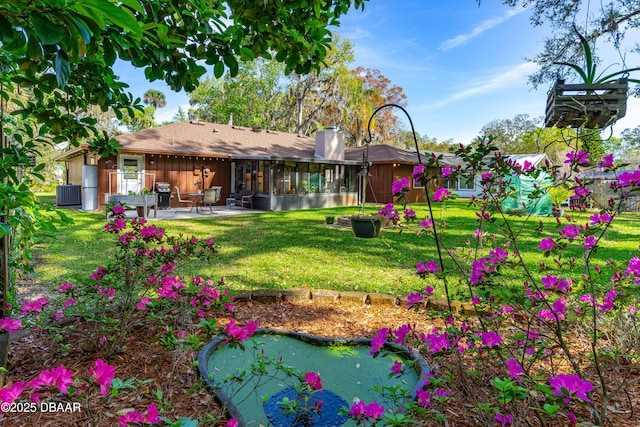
{"x": 251, "y": 98}
{"x": 155, "y": 98}
{"x": 317, "y": 100}
{"x": 377, "y": 91}
{"x": 609, "y": 23}
{"x": 627, "y": 147}
{"x": 64, "y": 52}
{"x": 141, "y": 120}
{"x": 523, "y": 135}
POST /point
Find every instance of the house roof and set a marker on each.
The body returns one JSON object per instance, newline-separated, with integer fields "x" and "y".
{"x": 210, "y": 139}
{"x": 191, "y": 138}
{"x": 385, "y": 154}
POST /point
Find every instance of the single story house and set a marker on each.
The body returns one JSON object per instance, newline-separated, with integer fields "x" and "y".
{"x": 388, "y": 164}
{"x": 285, "y": 171}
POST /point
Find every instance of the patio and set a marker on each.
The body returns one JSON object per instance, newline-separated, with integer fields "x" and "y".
{"x": 187, "y": 213}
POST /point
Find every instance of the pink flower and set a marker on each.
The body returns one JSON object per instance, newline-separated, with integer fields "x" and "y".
{"x": 35, "y": 306}
{"x": 59, "y": 377}
{"x": 400, "y": 186}
{"x": 589, "y": 242}
{"x": 441, "y": 194}
{"x": 547, "y": 244}
{"x": 446, "y": 171}
{"x": 238, "y": 333}
{"x": 143, "y": 303}
{"x": 10, "y": 325}
{"x": 428, "y": 290}
{"x": 504, "y": 420}
{"x": 152, "y": 414}
{"x": 437, "y": 342}
{"x": 118, "y": 210}
{"x": 233, "y": 422}
{"x": 515, "y": 370}
{"x": 170, "y": 288}
{"x": 598, "y": 218}
{"x": 606, "y": 161}
{"x": 426, "y": 223}
{"x": 570, "y": 386}
{"x": 414, "y": 298}
{"x": 103, "y": 373}
{"x": 424, "y": 398}
{"x": 418, "y": 170}
{"x": 627, "y": 179}
{"x": 570, "y": 231}
{"x": 131, "y": 418}
{"x": 490, "y": 339}
{"x": 379, "y": 340}
{"x": 374, "y": 410}
{"x": 581, "y": 158}
{"x": 313, "y": 380}
{"x": 65, "y": 287}
{"x": 10, "y": 393}
{"x": 428, "y": 267}
{"x": 397, "y": 367}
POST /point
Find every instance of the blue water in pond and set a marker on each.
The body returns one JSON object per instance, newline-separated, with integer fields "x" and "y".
{"x": 348, "y": 371}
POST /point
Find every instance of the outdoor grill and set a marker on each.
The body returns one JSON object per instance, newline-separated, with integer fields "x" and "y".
{"x": 164, "y": 194}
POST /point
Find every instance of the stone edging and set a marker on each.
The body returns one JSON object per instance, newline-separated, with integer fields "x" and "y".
{"x": 365, "y": 298}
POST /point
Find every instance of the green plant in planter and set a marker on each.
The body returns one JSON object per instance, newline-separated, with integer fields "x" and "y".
{"x": 588, "y": 72}
{"x": 558, "y": 195}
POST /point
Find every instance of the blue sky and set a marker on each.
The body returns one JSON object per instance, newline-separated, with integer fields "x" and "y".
{"x": 461, "y": 65}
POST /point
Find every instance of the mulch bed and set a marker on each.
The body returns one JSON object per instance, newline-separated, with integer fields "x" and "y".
{"x": 175, "y": 376}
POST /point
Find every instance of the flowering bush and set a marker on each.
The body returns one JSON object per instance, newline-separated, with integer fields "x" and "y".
{"x": 525, "y": 335}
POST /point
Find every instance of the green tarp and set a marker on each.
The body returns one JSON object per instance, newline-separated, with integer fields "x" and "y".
{"x": 523, "y": 186}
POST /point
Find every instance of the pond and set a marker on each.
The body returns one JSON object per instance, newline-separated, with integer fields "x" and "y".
{"x": 346, "y": 368}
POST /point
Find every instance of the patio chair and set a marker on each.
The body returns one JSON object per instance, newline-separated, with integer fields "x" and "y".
{"x": 244, "y": 198}
{"x": 210, "y": 198}
{"x": 181, "y": 200}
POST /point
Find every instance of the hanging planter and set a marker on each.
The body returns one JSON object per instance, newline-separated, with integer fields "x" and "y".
{"x": 596, "y": 105}
{"x": 365, "y": 226}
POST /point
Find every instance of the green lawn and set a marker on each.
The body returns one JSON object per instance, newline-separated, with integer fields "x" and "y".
{"x": 297, "y": 249}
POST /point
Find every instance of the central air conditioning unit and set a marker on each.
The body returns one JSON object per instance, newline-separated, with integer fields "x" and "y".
{"x": 68, "y": 195}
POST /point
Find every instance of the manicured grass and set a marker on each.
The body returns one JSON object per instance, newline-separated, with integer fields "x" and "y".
{"x": 297, "y": 249}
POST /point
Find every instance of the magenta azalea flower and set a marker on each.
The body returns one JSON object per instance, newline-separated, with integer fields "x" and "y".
{"x": 504, "y": 420}
{"x": 606, "y": 161}
{"x": 589, "y": 242}
{"x": 581, "y": 158}
{"x": 427, "y": 267}
{"x": 515, "y": 370}
{"x": 313, "y": 380}
{"x": 414, "y": 298}
{"x": 397, "y": 367}
{"x": 59, "y": 377}
{"x": 103, "y": 374}
{"x": 10, "y": 393}
{"x": 490, "y": 339}
{"x": 547, "y": 244}
{"x": 233, "y": 422}
{"x": 570, "y": 386}
{"x": 238, "y": 333}
{"x": 446, "y": 171}
{"x": 10, "y": 325}
{"x": 441, "y": 194}
{"x": 379, "y": 340}
{"x": 400, "y": 186}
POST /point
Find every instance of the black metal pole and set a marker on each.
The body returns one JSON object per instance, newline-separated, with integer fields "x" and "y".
{"x": 426, "y": 189}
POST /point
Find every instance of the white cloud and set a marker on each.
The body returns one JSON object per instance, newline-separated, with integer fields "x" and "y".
{"x": 479, "y": 29}
{"x": 509, "y": 78}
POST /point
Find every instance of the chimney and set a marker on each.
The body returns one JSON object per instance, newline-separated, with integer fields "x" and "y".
{"x": 330, "y": 144}
{"x": 230, "y": 119}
